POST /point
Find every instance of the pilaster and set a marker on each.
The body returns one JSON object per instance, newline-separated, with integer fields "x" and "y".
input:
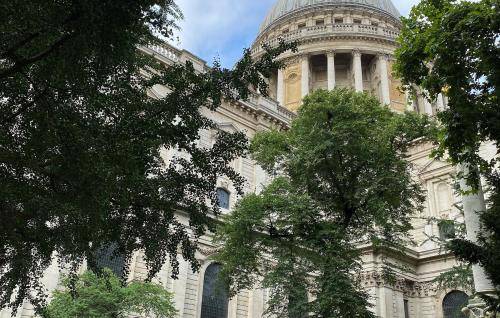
{"x": 280, "y": 93}
{"x": 305, "y": 75}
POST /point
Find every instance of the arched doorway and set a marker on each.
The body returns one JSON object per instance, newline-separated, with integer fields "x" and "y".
{"x": 453, "y": 303}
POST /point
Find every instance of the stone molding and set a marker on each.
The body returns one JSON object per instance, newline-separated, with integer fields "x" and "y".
{"x": 327, "y": 12}
{"x": 406, "y": 286}
{"x": 383, "y": 55}
{"x": 325, "y": 35}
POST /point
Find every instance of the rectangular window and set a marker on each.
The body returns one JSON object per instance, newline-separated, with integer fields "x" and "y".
{"x": 407, "y": 308}
{"x": 301, "y": 25}
{"x": 320, "y": 22}
{"x": 338, "y": 20}
{"x": 446, "y": 230}
{"x": 357, "y": 21}
{"x": 223, "y": 198}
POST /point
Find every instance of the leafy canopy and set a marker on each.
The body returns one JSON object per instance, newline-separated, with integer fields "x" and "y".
{"x": 104, "y": 296}
{"x": 80, "y": 140}
{"x": 343, "y": 180}
{"x": 452, "y": 47}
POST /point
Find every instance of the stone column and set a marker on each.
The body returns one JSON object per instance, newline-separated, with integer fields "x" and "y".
{"x": 358, "y": 71}
{"x": 330, "y": 56}
{"x": 305, "y": 75}
{"x": 472, "y": 204}
{"x": 384, "y": 79}
{"x": 280, "y": 92}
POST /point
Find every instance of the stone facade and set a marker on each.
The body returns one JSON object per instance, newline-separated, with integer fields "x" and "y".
{"x": 341, "y": 44}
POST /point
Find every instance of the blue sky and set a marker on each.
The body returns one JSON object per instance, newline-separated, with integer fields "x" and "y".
{"x": 222, "y": 28}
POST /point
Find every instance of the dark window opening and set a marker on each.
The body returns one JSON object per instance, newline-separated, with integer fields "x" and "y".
{"x": 453, "y": 303}
{"x": 338, "y": 20}
{"x": 357, "y": 21}
{"x": 215, "y": 299}
{"x": 108, "y": 257}
{"x": 301, "y": 25}
{"x": 223, "y": 198}
{"x": 446, "y": 230}
{"x": 407, "y": 308}
{"x": 320, "y": 22}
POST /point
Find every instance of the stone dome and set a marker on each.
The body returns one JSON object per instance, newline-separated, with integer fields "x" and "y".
{"x": 283, "y": 8}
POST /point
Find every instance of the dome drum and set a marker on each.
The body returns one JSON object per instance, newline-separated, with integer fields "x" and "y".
{"x": 331, "y": 31}
{"x": 341, "y": 43}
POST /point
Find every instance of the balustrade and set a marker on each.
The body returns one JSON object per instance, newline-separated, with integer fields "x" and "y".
{"x": 332, "y": 29}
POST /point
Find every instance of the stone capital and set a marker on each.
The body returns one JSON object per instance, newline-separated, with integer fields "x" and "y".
{"x": 330, "y": 53}
{"x": 356, "y": 52}
{"x": 383, "y": 55}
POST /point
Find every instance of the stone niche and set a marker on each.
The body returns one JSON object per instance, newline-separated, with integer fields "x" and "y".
{"x": 292, "y": 86}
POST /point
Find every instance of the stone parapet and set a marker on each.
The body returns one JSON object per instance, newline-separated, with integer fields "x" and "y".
{"x": 327, "y": 31}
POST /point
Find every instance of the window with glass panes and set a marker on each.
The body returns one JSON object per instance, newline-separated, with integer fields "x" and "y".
{"x": 453, "y": 303}
{"x": 108, "y": 257}
{"x": 223, "y": 198}
{"x": 215, "y": 298}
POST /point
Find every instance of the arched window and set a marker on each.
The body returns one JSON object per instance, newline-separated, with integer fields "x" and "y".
{"x": 214, "y": 300}
{"x": 222, "y": 198}
{"x": 453, "y": 303}
{"x": 108, "y": 257}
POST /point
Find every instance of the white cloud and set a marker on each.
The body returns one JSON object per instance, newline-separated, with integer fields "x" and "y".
{"x": 222, "y": 28}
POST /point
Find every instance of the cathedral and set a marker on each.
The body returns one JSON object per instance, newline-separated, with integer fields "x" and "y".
{"x": 341, "y": 43}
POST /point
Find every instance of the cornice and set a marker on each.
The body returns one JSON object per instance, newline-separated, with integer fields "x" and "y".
{"x": 329, "y": 9}
{"x": 256, "y": 107}
{"x": 318, "y": 38}
{"x": 399, "y": 283}
{"x": 409, "y": 255}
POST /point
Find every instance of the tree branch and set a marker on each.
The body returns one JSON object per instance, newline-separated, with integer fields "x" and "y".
{"x": 26, "y": 61}
{"x": 23, "y": 107}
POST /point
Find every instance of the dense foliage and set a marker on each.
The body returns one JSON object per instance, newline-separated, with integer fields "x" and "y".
{"x": 104, "y": 296}
{"x": 343, "y": 180}
{"x": 452, "y": 47}
{"x": 80, "y": 140}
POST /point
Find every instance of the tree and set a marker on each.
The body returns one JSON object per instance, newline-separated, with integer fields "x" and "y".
{"x": 451, "y": 47}
{"x": 80, "y": 140}
{"x": 104, "y": 296}
{"x": 343, "y": 180}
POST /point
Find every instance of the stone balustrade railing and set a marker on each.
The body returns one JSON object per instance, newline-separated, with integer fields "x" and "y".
{"x": 271, "y": 107}
{"x": 166, "y": 51}
{"x": 332, "y": 29}
{"x": 259, "y": 103}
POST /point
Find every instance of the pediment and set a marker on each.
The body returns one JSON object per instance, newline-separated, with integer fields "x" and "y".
{"x": 432, "y": 166}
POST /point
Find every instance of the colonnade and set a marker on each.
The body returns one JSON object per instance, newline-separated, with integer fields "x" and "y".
{"x": 331, "y": 81}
